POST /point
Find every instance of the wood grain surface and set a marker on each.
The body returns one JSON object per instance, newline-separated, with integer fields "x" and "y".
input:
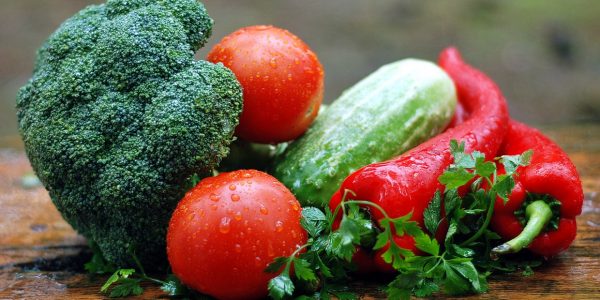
{"x": 41, "y": 257}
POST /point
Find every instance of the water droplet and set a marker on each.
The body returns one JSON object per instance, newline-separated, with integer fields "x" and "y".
{"x": 237, "y": 216}
{"x": 191, "y": 216}
{"x": 247, "y": 175}
{"x": 235, "y": 197}
{"x": 214, "y": 197}
{"x": 294, "y": 234}
{"x": 264, "y": 210}
{"x": 213, "y": 207}
{"x": 237, "y": 248}
{"x": 257, "y": 261}
{"x": 273, "y": 63}
{"x": 295, "y": 206}
{"x": 224, "y": 226}
{"x": 232, "y": 187}
{"x": 270, "y": 250}
{"x": 289, "y": 76}
{"x": 278, "y": 226}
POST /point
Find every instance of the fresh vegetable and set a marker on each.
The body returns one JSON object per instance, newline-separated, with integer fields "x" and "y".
{"x": 457, "y": 265}
{"x": 540, "y": 213}
{"x": 392, "y": 110}
{"x": 282, "y": 80}
{"x": 228, "y": 228}
{"x": 406, "y": 184}
{"x": 118, "y": 115}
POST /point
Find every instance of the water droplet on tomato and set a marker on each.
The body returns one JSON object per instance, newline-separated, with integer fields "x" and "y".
{"x": 237, "y": 248}
{"x": 213, "y": 207}
{"x": 278, "y": 226}
{"x": 273, "y": 63}
{"x": 270, "y": 250}
{"x": 257, "y": 261}
{"x": 247, "y": 175}
{"x": 235, "y": 197}
{"x": 295, "y": 207}
{"x": 264, "y": 210}
{"x": 224, "y": 226}
{"x": 214, "y": 197}
{"x": 294, "y": 234}
{"x": 232, "y": 187}
{"x": 237, "y": 215}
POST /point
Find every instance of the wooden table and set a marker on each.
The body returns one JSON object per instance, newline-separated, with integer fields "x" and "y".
{"x": 42, "y": 257}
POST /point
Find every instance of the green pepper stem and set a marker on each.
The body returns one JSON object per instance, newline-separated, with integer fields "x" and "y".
{"x": 538, "y": 214}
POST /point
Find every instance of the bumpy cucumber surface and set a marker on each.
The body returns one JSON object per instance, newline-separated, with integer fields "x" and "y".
{"x": 387, "y": 113}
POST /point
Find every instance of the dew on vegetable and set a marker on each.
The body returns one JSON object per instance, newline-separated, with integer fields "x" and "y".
{"x": 232, "y": 187}
{"x": 264, "y": 210}
{"x": 273, "y": 63}
{"x": 213, "y": 207}
{"x": 214, "y": 197}
{"x": 247, "y": 175}
{"x": 278, "y": 226}
{"x": 294, "y": 234}
{"x": 270, "y": 250}
{"x": 237, "y": 248}
{"x": 257, "y": 261}
{"x": 237, "y": 215}
{"x": 295, "y": 207}
{"x": 235, "y": 197}
{"x": 224, "y": 226}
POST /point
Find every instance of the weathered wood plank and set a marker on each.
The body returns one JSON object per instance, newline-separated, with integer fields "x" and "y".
{"x": 42, "y": 257}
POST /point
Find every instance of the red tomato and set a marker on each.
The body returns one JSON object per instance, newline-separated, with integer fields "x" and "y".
{"x": 282, "y": 81}
{"x": 228, "y": 228}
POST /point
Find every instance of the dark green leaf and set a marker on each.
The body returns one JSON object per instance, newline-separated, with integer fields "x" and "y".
{"x": 127, "y": 287}
{"x": 452, "y": 229}
{"x": 455, "y": 283}
{"x": 484, "y": 168}
{"x": 528, "y": 271}
{"x": 280, "y": 287}
{"x": 427, "y": 244}
{"x": 432, "y": 214}
{"x": 426, "y": 288}
{"x": 452, "y": 201}
{"x": 467, "y": 270}
{"x": 382, "y": 240}
{"x": 314, "y": 221}
{"x": 453, "y": 179}
{"x": 401, "y": 287}
{"x": 460, "y": 251}
{"x": 504, "y": 186}
{"x": 277, "y": 264}
{"x": 303, "y": 270}
{"x": 98, "y": 264}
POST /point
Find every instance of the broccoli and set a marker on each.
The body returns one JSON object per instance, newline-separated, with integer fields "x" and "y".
{"x": 118, "y": 115}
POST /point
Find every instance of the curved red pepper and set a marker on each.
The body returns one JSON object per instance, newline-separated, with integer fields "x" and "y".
{"x": 551, "y": 173}
{"x": 407, "y": 183}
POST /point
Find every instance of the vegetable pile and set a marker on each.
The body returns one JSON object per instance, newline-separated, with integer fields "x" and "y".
{"x": 416, "y": 172}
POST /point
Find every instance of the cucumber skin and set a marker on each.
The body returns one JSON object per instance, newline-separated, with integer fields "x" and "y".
{"x": 397, "y": 107}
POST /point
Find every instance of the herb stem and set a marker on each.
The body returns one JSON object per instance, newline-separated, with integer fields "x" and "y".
{"x": 486, "y": 222}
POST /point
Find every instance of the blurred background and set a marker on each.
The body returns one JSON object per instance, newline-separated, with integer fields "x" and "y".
{"x": 545, "y": 55}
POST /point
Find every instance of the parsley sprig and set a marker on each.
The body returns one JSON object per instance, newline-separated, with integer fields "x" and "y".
{"x": 459, "y": 266}
{"x": 128, "y": 281}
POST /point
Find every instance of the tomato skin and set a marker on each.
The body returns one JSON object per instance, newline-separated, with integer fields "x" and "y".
{"x": 282, "y": 80}
{"x": 228, "y": 228}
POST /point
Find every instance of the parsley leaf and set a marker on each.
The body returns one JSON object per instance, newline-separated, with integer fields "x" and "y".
{"x": 314, "y": 221}
{"x": 432, "y": 214}
{"x": 281, "y": 286}
{"x": 455, "y": 178}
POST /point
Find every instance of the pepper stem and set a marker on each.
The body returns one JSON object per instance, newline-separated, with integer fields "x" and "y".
{"x": 538, "y": 214}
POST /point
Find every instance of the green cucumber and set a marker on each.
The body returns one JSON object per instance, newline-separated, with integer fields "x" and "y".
{"x": 397, "y": 107}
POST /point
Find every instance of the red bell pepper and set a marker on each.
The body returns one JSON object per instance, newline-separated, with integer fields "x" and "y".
{"x": 408, "y": 182}
{"x": 550, "y": 178}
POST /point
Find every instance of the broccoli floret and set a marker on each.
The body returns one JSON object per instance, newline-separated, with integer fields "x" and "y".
{"x": 119, "y": 114}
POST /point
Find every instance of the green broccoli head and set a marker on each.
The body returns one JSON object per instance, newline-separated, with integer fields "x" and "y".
{"x": 118, "y": 115}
